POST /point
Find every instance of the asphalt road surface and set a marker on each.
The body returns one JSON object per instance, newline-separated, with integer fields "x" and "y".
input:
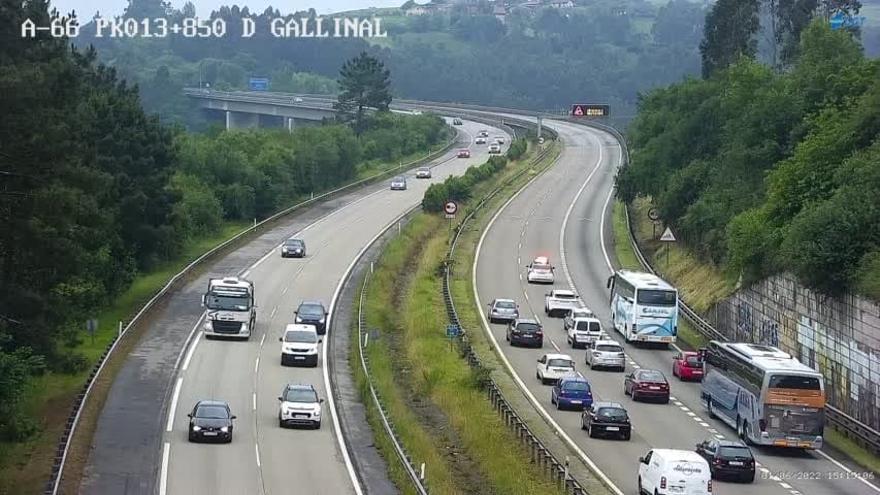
{"x": 565, "y": 207}
{"x": 263, "y": 458}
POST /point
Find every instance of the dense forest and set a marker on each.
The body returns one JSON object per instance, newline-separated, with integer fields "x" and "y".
{"x": 93, "y": 191}
{"x": 540, "y": 59}
{"x": 765, "y": 169}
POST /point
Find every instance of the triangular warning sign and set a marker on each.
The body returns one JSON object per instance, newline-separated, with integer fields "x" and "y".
{"x": 667, "y": 235}
{"x": 578, "y": 111}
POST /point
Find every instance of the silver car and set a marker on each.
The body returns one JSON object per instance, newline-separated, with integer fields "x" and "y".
{"x": 503, "y": 310}
{"x": 398, "y": 183}
{"x": 423, "y": 173}
{"x": 606, "y": 354}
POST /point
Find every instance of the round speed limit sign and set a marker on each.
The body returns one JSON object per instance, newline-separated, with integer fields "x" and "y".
{"x": 450, "y": 207}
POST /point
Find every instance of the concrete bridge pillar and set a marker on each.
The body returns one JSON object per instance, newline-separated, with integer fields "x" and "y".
{"x": 290, "y": 124}
{"x": 239, "y": 120}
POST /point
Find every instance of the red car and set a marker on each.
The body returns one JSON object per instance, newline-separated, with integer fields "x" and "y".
{"x": 464, "y": 153}
{"x": 688, "y": 366}
{"x": 646, "y": 384}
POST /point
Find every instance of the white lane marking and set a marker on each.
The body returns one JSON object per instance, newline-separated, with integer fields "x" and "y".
{"x": 720, "y": 437}
{"x": 284, "y": 291}
{"x": 485, "y": 324}
{"x": 191, "y": 351}
{"x": 704, "y": 424}
{"x": 684, "y": 408}
{"x": 255, "y": 401}
{"x": 554, "y": 345}
{"x": 257, "y": 364}
{"x": 785, "y": 485}
{"x": 713, "y": 430}
{"x": 169, "y": 425}
{"x": 562, "y": 258}
{"x": 257, "y": 451}
{"x": 247, "y": 272}
{"x": 334, "y": 415}
{"x": 677, "y": 403}
{"x": 691, "y": 414}
{"x": 848, "y": 470}
{"x": 163, "y": 477}
{"x": 672, "y": 397}
{"x": 765, "y": 470}
{"x": 189, "y": 338}
{"x": 272, "y": 315}
{"x": 263, "y": 339}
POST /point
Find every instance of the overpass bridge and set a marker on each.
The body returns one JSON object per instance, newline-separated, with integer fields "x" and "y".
{"x": 247, "y": 109}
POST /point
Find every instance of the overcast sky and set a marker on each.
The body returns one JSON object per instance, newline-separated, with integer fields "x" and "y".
{"x": 86, "y": 8}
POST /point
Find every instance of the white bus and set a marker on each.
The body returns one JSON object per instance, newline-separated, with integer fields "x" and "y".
{"x": 644, "y": 308}
{"x": 767, "y": 395}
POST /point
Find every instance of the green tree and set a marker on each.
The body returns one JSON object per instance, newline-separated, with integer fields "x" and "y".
{"x": 364, "y": 82}
{"x": 729, "y": 33}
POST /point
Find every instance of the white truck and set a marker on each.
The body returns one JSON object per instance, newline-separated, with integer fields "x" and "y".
{"x": 560, "y": 302}
{"x": 231, "y": 308}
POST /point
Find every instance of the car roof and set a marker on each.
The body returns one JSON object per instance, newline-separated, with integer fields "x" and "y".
{"x": 526, "y": 320}
{"x": 564, "y": 292}
{"x": 300, "y": 386}
{"x": 609, "y": 342}
{"x": 648, "y": 370}
{"x": 730, "y": 443}
{"x": 541, "y": 259}
{"x": 212, "y": 402}
{"x": 601, "y": 404}
{"x": 299, "y": 327}
{"x": 680, "y": 455}
{"x": 575, "y": 378}
{"x": 504, "y": 300}
{"x": 311, "y": 303}
{"x": 559, "y": 356}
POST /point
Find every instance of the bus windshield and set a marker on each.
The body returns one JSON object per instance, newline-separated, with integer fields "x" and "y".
{"x": 654, "y": 297}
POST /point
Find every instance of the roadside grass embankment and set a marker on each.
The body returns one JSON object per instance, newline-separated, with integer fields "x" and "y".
{"x": 434, "y": 399}
{"x": 26, "y": 466}
{"x": 701, "y": 286}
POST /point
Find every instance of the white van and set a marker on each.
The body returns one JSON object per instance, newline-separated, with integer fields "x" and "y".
{"x": 679, "y": 472}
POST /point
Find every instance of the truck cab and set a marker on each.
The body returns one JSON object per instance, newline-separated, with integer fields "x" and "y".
{"x": 231, "y": 311}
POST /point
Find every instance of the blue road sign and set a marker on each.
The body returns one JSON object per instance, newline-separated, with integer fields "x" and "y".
{"x": 840, "y": 20}
{"x": 452, "y": 331}
{"x": 258, "y": 84}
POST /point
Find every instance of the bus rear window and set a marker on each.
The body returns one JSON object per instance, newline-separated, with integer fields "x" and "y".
{"x": 794, "y": 382}
{"x": 652, "y": 297}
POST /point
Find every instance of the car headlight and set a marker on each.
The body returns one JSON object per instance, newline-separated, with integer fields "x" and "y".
{"x": 244, "y": 328}
{"x": 224, "y": 429}
{"x": 209, "y": 326}
{"x": 321, "y": 320}
{"x": 317, "y": 413}
{"x": 298, "y": 319}
{"x": 284, "y": 249}
{"x": 197, "y": 428}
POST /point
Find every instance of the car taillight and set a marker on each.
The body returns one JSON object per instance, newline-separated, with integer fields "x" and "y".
{"x": 539, "y": 334}
{"x": 663, "y": 482}
{"x": 762, "y": 424}
{"x": 664, "y": 385}
{"x": 620, "y": 354}
{"x": 716, "y": 461}
{"x": 710, "y": 486}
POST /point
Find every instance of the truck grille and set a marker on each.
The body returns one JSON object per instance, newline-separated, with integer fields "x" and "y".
{"x": 226, "y": 326}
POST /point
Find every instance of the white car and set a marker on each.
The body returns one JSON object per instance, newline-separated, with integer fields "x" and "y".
{"x": 552, "y": 367}
{"x": 297, "y": 99}
{"x": 540, "y": 271}
{"x": 300, "y": 405}
{"x": 423, "y": 173}
{"x": 560, "y": 302}
{"x": 480, "y": 140}
{"x": 605, "y": 354}
{"x": 674, "y": 471}
{"x": 299, "y": 345}
{"x": 579, "y": 312}
{"x": 494, "y": 149}
{"x": 398, "y": 183}
{"x": 583, "y": 331}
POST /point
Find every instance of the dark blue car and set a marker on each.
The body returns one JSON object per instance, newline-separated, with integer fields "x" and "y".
{"x": 572, "y": 392}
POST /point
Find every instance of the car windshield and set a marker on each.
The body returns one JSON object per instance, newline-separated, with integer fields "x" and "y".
{"x": 560, "y": 363}
{"x": 609, "y": 348}
{"x": 653, "y": 297}
{"x": 228, "y": 303}
{"x": 729, "y": 452}
{"x": 563, "y": 295}
{"x": 300, "y": 395}
{"x": 424, "y": 170}
{"x": 528, "y": 327}
{"x": 694, "y": 362}
{"x": 576, "y": 386}
{"x": 293, "y": 243}
{"x": 311, "y": 310}
{"x": 505, "y": 305}
{"x": 537, "y": 266}
{"x": 611, "y": 413}
{"x": 301, "y": 337}
{"x": 212, "y": 412}
{"x": 651, "y": 376}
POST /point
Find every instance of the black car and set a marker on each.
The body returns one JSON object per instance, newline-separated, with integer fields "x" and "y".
{"x": 211, "y": 420}
{"x": 293, "y": 248}
{"x": 608, "y": 419}
{"x": 728, "y": 458}
{"x": 312, "y": 313}
{"x": 525, "y": 332}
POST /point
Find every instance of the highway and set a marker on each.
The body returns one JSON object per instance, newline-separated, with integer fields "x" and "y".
{"x": 565, "y": 214}
{"x": 263, "y": 458}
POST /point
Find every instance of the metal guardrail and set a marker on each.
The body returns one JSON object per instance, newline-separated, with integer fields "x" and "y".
{"x": 54, "y": 482}
{"x": 539, "y": 453}
{"x": 854, "y": 429}
{"x": 405, "y": 459}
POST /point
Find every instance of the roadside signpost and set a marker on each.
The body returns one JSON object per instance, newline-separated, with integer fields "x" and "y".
{"x": 452, "y": 332}
{"x": 667, "y": 237}
{"x": 590, "y": 110}
{"x": 450, "y": 208}
{"x": 654, "y": 215}
{"x": 258, "y": 84}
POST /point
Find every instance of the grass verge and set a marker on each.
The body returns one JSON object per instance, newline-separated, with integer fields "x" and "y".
{"x": 433, "y": 397}
{"x": 701, "y": 285}
{"x": 26, "y": 466}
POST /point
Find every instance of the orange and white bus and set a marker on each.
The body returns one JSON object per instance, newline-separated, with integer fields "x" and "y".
{"x": 767, "y": 395}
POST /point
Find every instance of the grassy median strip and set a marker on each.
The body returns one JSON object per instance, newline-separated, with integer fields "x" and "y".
{"x": 703, "y": 285}
{"x": 433, "y": 397}
{"x": 25, "y": 466}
